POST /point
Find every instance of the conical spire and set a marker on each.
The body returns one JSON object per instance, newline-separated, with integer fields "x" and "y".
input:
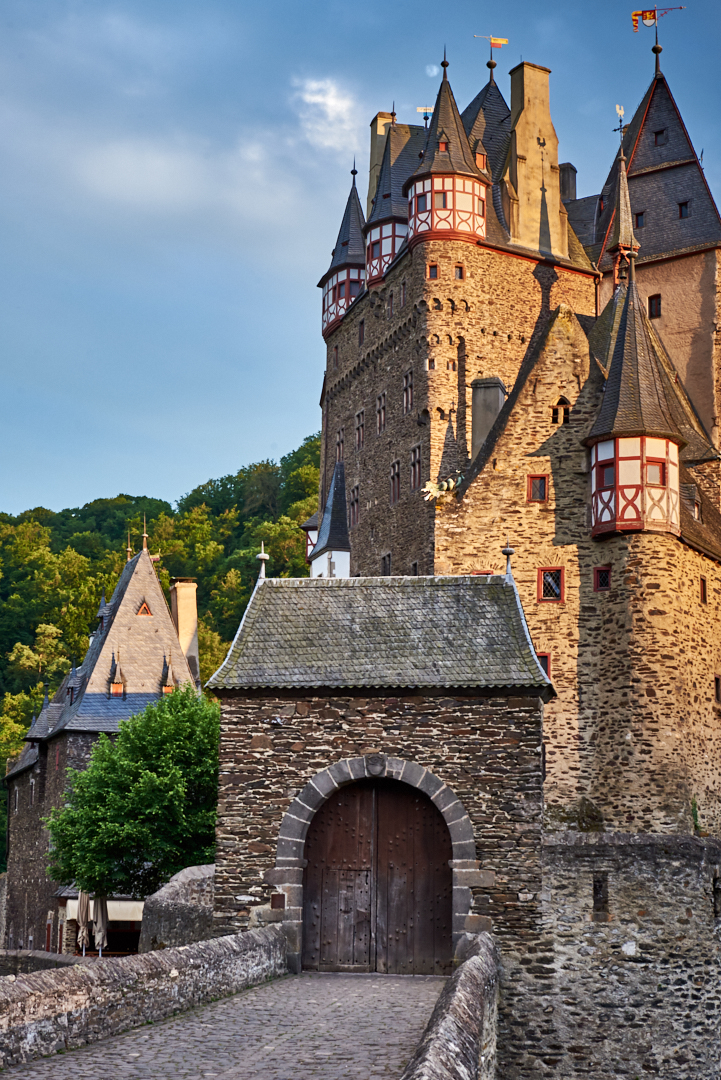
{"x": 447, "y": 148}
{"x": 129, "y": 550}
{"x": 145, "y": 535}
{"x": 622, "y": 239}
{"x": 639, "y": 396}
{"x": 103, "y": 605}
{"x": 333, "y": 532}
{"x": 487, "y": 123}
{"x": 349, "y": 248}
{"x": 169, "y": 681}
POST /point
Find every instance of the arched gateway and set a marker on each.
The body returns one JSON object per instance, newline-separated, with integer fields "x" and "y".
{"x": 377, "y": 885}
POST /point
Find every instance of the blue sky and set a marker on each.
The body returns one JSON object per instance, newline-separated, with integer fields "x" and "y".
{"x": 172, "y": 178}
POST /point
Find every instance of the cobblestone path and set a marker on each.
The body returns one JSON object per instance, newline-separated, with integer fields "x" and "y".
{"x": 306, "y": 1027}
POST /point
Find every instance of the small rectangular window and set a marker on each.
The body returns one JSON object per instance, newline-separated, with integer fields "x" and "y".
{"x": 443, "y": 147}
{"x": 386, "y": 565}
{"x": 703, "y": 593}
{"x": 601, "y": 578}
{"x": 606, "y": 475}
{"x": 639, "y": 220}
{"x": 551, "y": 584}
{"x": 537, "y": 490}
{"x": 335, "y": 356}
{"x": 654, "y": 306}
{"x": 433, "y": 271}
{"x": 341, "y": 290}
{"x": 376, "y": 249}
{"x": 660, "y": 138}
{"x": 683, "y": 209}
{"x": 439, "y": 200}
{"x": 390, "y": 306}
{"x": 360, "y": 423}
{"x": 656, "y": 473}
{"x": 481, "y": 208}
{"x": 407, "y": 393}
{"x": 339, "y": 441}
{"x": 459, "y": 273}
{"x": 403, "y": 294}
{"x": 421, "y": 204}
{"x": 381, "y": 413}
{"x": 361, "y": 331}
{"x": 600, "y": 897}
{"x": 414, "y": 569}
{"x": 32, "y": 792}
{"x": 354, "y": 514}
{"x": 544, "y": 659}
{"x": 481, "y": 161}
{"x": 395, "y": 482}
{"x": 415, "y": 468}
{"x": 15, "y": 800}
{"x": 355, "y": 288}
{"x": 717, "y": 695}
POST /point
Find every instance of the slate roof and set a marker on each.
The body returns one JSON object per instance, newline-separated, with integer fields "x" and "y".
{"x": 141, "y": 644}
{"x": 643, "y": 395}
{"x": 404, "y": 145}
{"x": 659, "y": 177}
{"x": 446, "y": 126}
{"x": 488, "y": 120}
{"x": 333, "y": 531}
{"x": 622, "y": 237}
{"x": 397, "y": 632}
{"x": 349, "y": 248}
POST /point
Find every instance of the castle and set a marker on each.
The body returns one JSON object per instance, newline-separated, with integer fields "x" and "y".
{"x": 506, "y": 364}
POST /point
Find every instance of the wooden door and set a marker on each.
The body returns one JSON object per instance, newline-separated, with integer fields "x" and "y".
{"x": 377, "y": 886}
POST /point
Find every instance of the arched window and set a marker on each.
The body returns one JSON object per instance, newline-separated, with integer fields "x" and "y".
{"x": 561, "y": 411}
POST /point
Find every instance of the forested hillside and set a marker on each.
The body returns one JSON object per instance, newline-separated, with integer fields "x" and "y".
{"x": 54, "y": 566}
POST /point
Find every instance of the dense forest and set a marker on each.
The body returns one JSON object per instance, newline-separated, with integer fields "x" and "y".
{"x": 54, "y": 567}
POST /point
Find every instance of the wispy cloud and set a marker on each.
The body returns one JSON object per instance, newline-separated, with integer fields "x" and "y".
{"x": 330, "y": 117}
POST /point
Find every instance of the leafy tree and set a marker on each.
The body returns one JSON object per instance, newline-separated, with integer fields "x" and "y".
{"x": 213, "y": 650}
{"x": 145, "y": 806}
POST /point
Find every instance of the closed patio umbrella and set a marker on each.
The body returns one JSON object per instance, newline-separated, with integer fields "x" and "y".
{"x": 100, "y": 923}
{"x": 83, "y": 918}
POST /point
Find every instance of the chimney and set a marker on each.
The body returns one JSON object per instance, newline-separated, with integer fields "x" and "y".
{"x": 568, "y": 181}
{"x": 486, "y": 403}
{"x": 184, "y": 609}
{"x": 379, "y": 128}
{"x": 538, "y": 219}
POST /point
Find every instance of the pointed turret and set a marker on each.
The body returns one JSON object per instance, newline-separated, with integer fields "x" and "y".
{"x": 169, "y": 681}
{"x": 331, "y": 555}
{"x": 487, "y": 123}
{"x": 344, "y": 279}
{"x": 447, "y": 192}
{"x": 387, "y": 225}
{"x": 622, "y": 241}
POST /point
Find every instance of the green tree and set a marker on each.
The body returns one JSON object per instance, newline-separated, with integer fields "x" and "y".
{"x": 145, "y": 806}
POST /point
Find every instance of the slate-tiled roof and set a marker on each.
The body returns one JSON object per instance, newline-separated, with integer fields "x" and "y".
{"x": 333, "y": 532}
{"x": 349, "y": 248}
{"x": 142, "y": 643}
{"x": 404, "y": 145}
{"x": 446, "y": 126}
{"x": 488, "y": 120}
{"x": 643, "y": 394}
{"x": 384, "y": 632}
{"x": 621, "y": 237}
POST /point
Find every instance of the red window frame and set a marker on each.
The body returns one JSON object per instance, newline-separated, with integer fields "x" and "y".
{"x": 529, "y": 487}
{"x": 539, "y": 585}
{"x": 440, "y": 200}
{"x": 375, "y": 249}
{"x": 703, "y": 590}
{"x": 607, "y": 463}
{"x": 597, "y": 571}
{"x": 422, "y": 202}
{"x": 547, "y": 666}
{"x": 460, "y": 272}
{"x": 433, "y": 271}
{"x": 662, "y": 466}
{"x": 654, "y": 306}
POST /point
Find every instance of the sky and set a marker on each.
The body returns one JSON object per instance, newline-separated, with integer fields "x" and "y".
{"x": 172, "y": 179}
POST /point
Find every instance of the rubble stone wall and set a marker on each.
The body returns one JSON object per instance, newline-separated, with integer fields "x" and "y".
{"x": 181, "y": 912}
{"x": 49, "y": 1011}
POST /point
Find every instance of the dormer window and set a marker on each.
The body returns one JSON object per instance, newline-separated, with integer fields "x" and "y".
{"x": 443, "y": 147}
{"x": 660, "y": 138}
{"x": 639, "y": 220}
{"x": 481, "y": 161}
{"x": 116, "y": 689}
{"x": 144, "y": 609}
{"x": 684, "y": 209}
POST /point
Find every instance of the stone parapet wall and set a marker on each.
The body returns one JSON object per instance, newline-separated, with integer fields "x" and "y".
{"x": 49, "y": 1011}
{"x": 181, "y": 912}
{"x": 459, "y": 1042}
{"x": 16, "y": 962}
{"x": 626, "y": 978}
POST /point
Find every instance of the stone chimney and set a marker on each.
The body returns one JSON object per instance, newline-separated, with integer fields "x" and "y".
{"x": 534, "y": 212}
{"x": 568, "y": 181}
{"x": 184, "y": 609}
{"x": 487, "y": 401}
{"x": 379, "y": 129}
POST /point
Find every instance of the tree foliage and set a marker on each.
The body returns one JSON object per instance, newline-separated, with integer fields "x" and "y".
{"x": 145, "y": 806}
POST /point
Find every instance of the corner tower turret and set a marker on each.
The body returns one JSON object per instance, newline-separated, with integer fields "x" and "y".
{"x": 344, "y": 279}
{"x": 447, "y": 192}
{"x": 387, "y": 225}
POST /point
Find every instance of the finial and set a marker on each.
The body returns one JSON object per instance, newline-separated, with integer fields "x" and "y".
{"x": 263, "y": 560}
{"x": 354, "y": 172}
{"x": 508, "y": 551}
{"x": 490, "y": 64}
{"x": 631, "y": 256}
{"x": 657, "y": 49}
{"x": 145, "y": 535}
{"x": 129, "y": 550}
{"x": 444, "y": 64}
{"x": 393, "y": 115}
{"x": 46, "y": 700}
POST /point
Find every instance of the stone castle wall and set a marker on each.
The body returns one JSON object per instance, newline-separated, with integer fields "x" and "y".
{"x": 30, "y": 892}
{"x": 449, "y": 332}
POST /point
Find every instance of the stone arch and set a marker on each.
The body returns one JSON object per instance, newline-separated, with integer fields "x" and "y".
{"x": 287, "y": 874}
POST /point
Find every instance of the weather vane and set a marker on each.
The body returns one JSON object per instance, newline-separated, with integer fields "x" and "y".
{"x": 427, "y": 111}
{"x": 620, "y": 114}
